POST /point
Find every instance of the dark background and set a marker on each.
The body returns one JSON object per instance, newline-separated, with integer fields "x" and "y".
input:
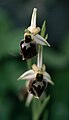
{"x": 15, "y": 16}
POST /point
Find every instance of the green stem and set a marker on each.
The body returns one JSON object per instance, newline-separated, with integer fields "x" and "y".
{"x": 29, "y": 63}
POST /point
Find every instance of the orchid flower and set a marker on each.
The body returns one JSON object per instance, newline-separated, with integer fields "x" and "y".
{"x": 29, "y": 45}
{"x": 36, "y": 86}
{"x": 35, "y": 30}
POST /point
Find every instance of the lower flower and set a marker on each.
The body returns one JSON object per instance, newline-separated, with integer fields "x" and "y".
{"x": 37, "y": 80}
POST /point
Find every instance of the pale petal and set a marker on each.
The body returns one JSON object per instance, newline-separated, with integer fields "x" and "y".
{"x": 34, "y": 31}
{"x": 29, "y": 99}
{"x": 27, "y": 75}
{"x": 35, "y": 68}
{"x": 43, "y": 67}
{"x": 33, "y": 20}
{"x": 40, "y": 40}
{"x": 48, "y": 78}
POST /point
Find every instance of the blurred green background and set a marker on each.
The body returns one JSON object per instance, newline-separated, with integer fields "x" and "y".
{"x": 15, "y": 16}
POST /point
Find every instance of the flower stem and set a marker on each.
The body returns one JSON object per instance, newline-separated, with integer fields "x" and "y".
{"x": 39, "y": 56}
{"x": 29, "y": 63}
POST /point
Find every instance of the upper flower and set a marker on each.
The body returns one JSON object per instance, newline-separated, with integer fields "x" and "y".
{"x": 35, "y": 30}
{"x": 28, "y": 45}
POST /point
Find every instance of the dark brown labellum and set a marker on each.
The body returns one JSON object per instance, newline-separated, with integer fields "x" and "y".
{"x": 28, "y": 52}
{"x": 37, "y": 87}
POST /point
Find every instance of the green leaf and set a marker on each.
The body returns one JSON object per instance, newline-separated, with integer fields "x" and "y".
{"x": 43, "y": 106}
{"x": 43, "y": 29}
{"x": 46, "y": 37}
{"x": 38, "y": 107}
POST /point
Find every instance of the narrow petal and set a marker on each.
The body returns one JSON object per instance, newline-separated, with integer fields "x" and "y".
{"x": 35, "y": 68}
{"x": 33, "y": 20}
{"x": 27, "y": 75}
{"x": 43, "y": 67}
{"x": 29, "y": 99}
{"x": 48, "y": 78}
{"x": 40, "y": 40}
